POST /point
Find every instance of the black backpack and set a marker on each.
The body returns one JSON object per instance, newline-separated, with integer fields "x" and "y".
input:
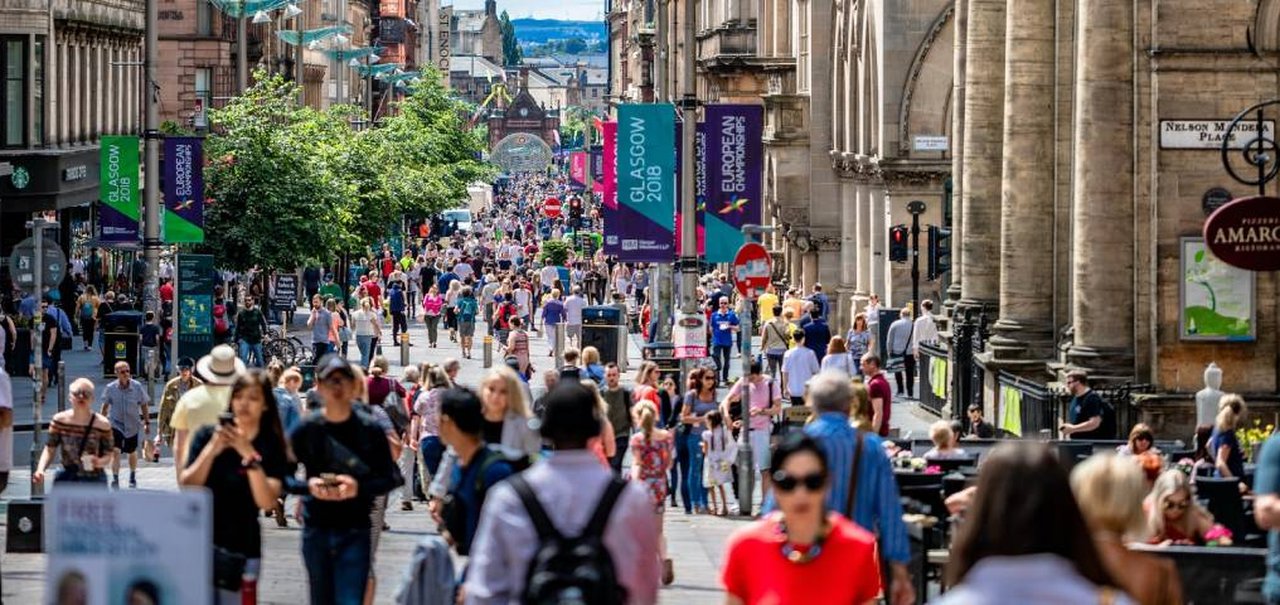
{"x": 571, "y": 570}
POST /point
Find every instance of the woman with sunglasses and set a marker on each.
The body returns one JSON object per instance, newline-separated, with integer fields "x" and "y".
{"x": 791, "y": 555}
{"x": 243, "y": 461}
{"x": 699, "y": 401}
{"x": 82, "y": 439}
{"x": 1173, "y": 516}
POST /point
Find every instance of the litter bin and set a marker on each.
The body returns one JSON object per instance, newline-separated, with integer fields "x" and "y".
{"x": 120, "y": 341}
{"x": 603, "y": 327}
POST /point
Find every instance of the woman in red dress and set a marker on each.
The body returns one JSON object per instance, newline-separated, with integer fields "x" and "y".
{"x": 653, "y": 450}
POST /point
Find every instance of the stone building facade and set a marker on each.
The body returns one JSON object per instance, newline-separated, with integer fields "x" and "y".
{"x": 72, "y": 75}
{"x": 477, "y": 32}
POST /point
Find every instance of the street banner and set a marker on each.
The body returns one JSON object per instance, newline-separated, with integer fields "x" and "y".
{"x": 734, "y": 168}
{"x": 128, "y": 546}
{"x": 646, "y": 183}
{"x": 609, "y": 181}
{"x": 597, "y": 167}
{"x": 699, "y": 184}
{"x": 196, "y": 280}
{"x": 183, "y": 190}
{"x": 578, "y": 167}
{"x": 119, "y": 190}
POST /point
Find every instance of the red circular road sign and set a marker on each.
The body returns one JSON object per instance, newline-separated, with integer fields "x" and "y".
{"x": 751, "y": 269}
{"x": 1245, "y": 233}
{"x": 551, "y": 207}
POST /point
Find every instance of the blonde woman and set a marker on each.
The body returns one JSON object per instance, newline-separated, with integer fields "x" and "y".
{"x": 87, "y": 309}
{"x": 605, "y": 446}
{"x": 506, "y": 412}
{"x": 1109, "y": 490}
{"x": 861, "y": 412}
{"x": 362, "y": 322}
{"x": 653, "y": 451}
{"x": 591, "y": 365}
{"x": 1228, "y": 458}
{"x": 1173, "y": 515}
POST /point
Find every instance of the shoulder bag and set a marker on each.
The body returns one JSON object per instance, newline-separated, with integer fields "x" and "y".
{"x": 75, "y": 472}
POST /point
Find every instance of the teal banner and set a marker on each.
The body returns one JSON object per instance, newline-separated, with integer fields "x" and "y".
{"x": 196, "y": 280}
{"x": 646, "y": 175}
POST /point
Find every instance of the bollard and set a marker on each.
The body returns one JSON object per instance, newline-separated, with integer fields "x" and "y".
{"x": 558, "y": 340}
{"x": 488, "y": 351}
{"x": 62, "y": 383}
{"x": 404, "y": 349}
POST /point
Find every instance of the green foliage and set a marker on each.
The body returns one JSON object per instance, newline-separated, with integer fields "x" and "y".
{"x": 567, "y": 46}
{"x": 510, "y": 45}
{"x": 555, "y": 252}
{"x": 575, "y": 126}
{"x": 290, "y": 185}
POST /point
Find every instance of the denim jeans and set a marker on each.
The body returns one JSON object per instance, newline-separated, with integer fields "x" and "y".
{"x": 251, "y": 351}
{"x": 433, "y": 329}
{"x": 318, "y": 350}
{"x": 337, "y": 563}
{"x": 721, "y": 354}
{"x": 616, "y": 461}
{"x": 697, "y": 492}
{"x": 680, "y": 471}
{"x": 365, "y": 344}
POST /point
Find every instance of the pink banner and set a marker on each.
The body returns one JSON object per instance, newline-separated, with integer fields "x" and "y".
{"x": 578, "y": 167}
{"x": 609, "y": 180}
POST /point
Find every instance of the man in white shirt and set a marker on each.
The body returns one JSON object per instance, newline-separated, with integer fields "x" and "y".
{"x": 463, "y": 270}
{"x": 548, "y": 276}
{"x": 799, "y": 364}
{"x": 573, "y": 307}
{"x": 567, "y": 487}
{"x": 926, "y": 329}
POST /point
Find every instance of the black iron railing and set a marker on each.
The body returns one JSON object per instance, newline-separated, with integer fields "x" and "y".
{"x": 934, "y": 371}
{"x": 1038, "y": 408}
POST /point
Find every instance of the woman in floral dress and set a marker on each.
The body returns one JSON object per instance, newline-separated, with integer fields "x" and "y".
{"x": 653, "y": 451}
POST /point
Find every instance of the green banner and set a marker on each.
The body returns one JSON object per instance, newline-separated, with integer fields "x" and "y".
{"x": 119, "y": 189}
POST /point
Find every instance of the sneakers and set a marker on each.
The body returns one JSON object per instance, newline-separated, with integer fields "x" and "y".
{"x": 406, "y": 505}
{"x": 115, "y": 481}
{"x": 133, "y": 480}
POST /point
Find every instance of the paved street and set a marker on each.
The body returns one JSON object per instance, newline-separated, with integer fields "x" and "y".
{"x": 696, "y": 543}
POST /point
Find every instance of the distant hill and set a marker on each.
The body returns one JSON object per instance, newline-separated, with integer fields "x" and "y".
{"x": 541, "y": 31}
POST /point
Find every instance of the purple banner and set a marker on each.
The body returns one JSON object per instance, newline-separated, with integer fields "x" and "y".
{"x": 183, "y": 190}
{"x": 699, "y": 183}
{"x": 734, "y": 167}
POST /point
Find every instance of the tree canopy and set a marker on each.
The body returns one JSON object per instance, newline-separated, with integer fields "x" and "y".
{"x": 288, "y": 185}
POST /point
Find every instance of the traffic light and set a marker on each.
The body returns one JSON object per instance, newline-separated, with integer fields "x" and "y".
{"x": 898, "y": 246}
{"x": 939, "y": 251}
{"x": 575, "y": 208}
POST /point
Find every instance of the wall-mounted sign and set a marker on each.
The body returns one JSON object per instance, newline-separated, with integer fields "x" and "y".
{"x": 923, "y": 142}
{"x": 1208, "y": 134}
{"x": 1214, "y": 199}
{"x": 1216, "y": 300}
{"x": 1245, "y": 233}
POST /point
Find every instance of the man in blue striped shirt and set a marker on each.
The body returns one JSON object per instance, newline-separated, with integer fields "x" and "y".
{"x": 876, "y": 508}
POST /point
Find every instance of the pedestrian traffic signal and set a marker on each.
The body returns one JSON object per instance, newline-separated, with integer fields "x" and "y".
{"x": 898, "y": 247}
{"x": 575, "y": 208}
{"x": 939, "y": 251}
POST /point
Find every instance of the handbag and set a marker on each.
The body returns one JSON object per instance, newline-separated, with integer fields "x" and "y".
{"x": 75, "y": 473}
{"x": 895, "y": 363}
{"x": 228, "y": 568}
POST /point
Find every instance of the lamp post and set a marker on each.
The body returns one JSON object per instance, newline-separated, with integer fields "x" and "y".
{"x": 746, "y": 460}
{"x": 688, "y": 235}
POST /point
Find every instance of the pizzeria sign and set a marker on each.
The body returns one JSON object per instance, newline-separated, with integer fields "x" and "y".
{"x": 1245, "y": 233}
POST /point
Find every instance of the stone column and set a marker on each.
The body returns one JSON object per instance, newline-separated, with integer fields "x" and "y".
{"x": 879, "y": 241}
{"x": 1103, "y": 190}
{"x": 983, "y": 146}
{"x": 862, "y": 205}
{"x": 957, "y": 149}
{"x": 842, "y": 293}
{"x": 1025, "y": 328}
{"x": 73, "y": 102}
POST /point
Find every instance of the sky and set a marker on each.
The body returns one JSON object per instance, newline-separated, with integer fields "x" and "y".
{"x": 575, "y": 10}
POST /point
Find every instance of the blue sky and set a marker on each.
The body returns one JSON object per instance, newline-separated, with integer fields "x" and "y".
{"x": 577, "y": 10}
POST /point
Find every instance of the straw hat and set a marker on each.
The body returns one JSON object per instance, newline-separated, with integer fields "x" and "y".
{"x": 220, "y": 366}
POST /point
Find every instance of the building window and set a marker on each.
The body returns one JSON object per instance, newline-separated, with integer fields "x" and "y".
{"x": 802, "y": 45}
{"x": 37, "y": 92}
{"x": 204, "y": 85}
{"x": 14, "y": 59}
{"x": 204, "y": 18}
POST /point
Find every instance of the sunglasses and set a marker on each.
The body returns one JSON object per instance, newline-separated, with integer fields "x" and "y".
{"x": 82, "y": 393}
{"x": 787, "y": 483}
{"x": 1176, "y": 504}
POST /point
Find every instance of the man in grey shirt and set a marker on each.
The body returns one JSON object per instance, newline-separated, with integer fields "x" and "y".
{"x": 619, "y": 400}
{"x": 125, "y": 403}
{"x": 319, "y": 321}
{"x": 899, "y": 347}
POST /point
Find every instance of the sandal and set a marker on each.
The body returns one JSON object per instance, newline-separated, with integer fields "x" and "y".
{"x": 668, "y": 572}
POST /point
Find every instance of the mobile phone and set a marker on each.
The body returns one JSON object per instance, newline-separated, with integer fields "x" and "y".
{"x": 226, "y": 419}
{"x": 329, "y": 479}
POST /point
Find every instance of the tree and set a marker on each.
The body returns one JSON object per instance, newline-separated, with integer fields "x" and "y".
{"x": 510, "y": 45}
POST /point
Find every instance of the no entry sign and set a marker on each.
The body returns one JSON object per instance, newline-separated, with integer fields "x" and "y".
{"x": 751, "y": 270}
{"x": 551, "y": 207}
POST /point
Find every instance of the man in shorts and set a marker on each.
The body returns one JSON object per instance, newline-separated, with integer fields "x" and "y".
{"x": 125, "y": 403}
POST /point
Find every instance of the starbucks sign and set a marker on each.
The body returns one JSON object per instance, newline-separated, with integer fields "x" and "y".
{"x": 20, "y": 177}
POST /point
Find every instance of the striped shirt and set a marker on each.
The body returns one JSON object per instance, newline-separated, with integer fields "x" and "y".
{"x": 877, "y": 508}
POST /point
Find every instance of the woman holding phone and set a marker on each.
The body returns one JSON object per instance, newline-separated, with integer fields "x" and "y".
{"x": 243, "y": 461}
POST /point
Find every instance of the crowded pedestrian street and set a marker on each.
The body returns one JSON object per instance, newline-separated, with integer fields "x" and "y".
{"x": 610, "y": 302}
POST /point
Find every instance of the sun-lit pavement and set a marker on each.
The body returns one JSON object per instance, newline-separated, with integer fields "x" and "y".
{"x": 696, "y": 543}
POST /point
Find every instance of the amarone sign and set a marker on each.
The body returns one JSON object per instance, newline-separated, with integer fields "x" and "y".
{"x": 1245, "y": 233}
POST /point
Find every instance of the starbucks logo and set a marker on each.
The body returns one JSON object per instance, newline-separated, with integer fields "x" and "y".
{"x": 20, "y": 177}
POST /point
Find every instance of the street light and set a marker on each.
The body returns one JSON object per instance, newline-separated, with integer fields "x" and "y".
{"x": 746, "y": 465}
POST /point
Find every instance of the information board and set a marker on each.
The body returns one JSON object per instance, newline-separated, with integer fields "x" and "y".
{"x": 196, "y": 281}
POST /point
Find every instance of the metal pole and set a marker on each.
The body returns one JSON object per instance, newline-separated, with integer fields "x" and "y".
{"x": 660, "y": 280}
{"x": 298, "y": 68}
{"x": 151, "y": 167}
{"x": 37, "y": 405}
{"x": 746, "y": 466}
{"x": 916, "y": 208}
{"x": 173, "y": 319}
{"x": 62, "y": 381}
{"x": 688, "y": 235}
{"x": 242, "y": 48}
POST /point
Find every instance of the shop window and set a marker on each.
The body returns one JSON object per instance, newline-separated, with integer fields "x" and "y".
{"x": 14, "y": 58}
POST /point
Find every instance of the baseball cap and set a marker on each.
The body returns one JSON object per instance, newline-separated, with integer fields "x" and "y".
{"x": 333, "y": 364}
{"x": 186, "y": 362}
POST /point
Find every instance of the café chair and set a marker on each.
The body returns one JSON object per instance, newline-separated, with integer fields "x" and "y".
{"x": 1222, "y": 497}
